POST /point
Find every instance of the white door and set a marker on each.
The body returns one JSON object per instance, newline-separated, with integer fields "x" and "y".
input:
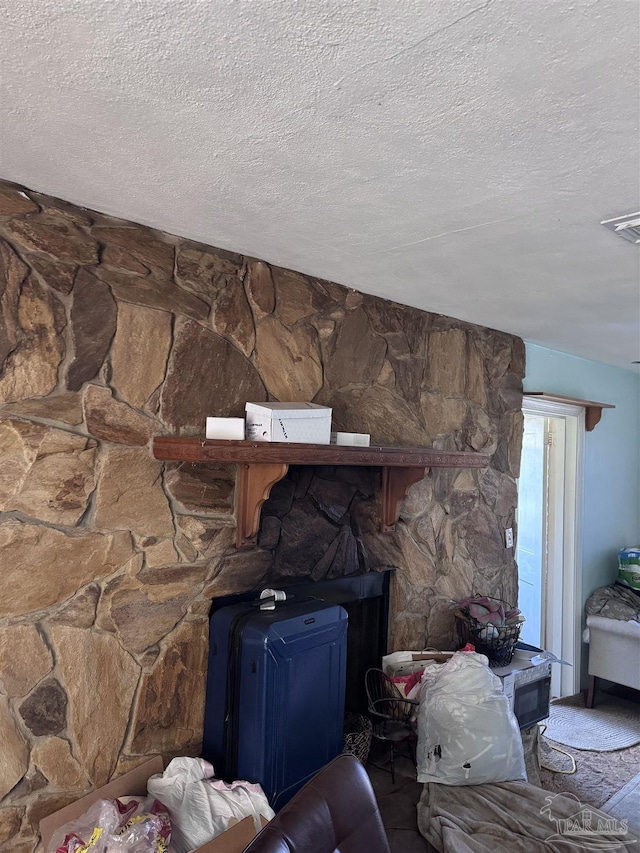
{"x": 531, "y": 547}
{"x": 547, "y": 546}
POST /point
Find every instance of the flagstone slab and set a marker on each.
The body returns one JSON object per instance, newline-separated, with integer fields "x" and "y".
{"x": 61, "y": 562}
{"x": 24, "y": 659}
{"x": 15, "y": 753}
{"x": 100, "y": 679}
{"x": 130, "y": 495}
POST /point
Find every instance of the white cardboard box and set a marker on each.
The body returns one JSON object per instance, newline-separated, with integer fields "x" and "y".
{"x": 406, "y": 663}
{"x": 294, "y": 422}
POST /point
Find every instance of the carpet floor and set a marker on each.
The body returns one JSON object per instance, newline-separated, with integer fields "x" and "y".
{"x": 598, "y": 776}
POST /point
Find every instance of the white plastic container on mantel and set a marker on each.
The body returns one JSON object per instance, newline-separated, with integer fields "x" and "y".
{"x": 351, "y": 439}
{"x": 229, "y": 429}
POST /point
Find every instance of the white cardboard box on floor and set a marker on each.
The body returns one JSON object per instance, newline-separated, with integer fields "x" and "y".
{"x": 408, "y": 662}
{"x": 134, "y": 783}
{"x": 306, "y": 423}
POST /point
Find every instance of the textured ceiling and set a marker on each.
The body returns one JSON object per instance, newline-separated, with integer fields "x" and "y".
{"x": 455, "y": 155}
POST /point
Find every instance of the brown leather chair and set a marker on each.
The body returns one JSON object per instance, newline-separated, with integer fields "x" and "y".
{"x": 335, "y": 812}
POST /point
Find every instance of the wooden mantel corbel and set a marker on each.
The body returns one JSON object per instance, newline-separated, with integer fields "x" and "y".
{"x": 253, "y": 487}
{"x": 592, "y": 410}
{"x": 396, "y": 482}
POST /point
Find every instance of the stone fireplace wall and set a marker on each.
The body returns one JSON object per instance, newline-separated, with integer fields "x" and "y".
{"x": 111, "y": 333}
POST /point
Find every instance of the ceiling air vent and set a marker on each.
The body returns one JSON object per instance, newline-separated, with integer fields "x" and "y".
{"x": 626, "y": 226}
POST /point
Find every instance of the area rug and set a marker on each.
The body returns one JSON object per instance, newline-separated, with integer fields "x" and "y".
{"x": 613, "y": 723}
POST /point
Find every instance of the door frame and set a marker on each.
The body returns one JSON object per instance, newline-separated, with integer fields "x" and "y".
{"x": 568, "y": 539}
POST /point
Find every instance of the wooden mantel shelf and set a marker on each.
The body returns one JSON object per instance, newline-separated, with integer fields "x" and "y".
{"x": 592, "y": 410}
{"x": 262, "y": 464}
{"x": 261, "y": 452}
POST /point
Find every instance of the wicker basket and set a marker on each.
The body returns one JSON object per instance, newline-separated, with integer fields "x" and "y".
{"x": 357, "y": 736}
{"x": 499, "y": 650}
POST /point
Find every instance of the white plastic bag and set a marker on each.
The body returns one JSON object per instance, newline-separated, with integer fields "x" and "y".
{"x": 467, "y": 733}
{"x": 200, "y": 806}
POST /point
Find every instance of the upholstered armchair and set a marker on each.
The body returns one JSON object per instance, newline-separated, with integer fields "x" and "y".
{"x": 614, "y": 653}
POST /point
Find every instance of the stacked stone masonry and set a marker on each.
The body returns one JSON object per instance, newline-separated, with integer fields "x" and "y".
{"x": 110, "y": 334}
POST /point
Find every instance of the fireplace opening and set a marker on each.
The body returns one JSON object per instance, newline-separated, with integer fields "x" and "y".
{"x": 280, "y": 678}
{"x": 366, "y": 600}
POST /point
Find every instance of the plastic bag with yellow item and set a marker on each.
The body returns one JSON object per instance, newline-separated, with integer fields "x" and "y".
{"x": 125, "y": 825}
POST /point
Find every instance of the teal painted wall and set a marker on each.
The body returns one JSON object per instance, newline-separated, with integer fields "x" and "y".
{"x": 611, "y": 499}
